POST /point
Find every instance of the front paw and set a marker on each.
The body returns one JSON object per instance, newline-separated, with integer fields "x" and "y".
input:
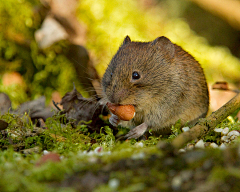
{"x": 137, "y": 132}
{"x": 114, "y": 120}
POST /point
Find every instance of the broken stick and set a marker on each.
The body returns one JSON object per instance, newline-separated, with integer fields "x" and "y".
{"x": 206, "y": 124}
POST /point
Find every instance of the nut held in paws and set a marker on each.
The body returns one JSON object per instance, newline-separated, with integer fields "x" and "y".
{"x": 124, "y": 112}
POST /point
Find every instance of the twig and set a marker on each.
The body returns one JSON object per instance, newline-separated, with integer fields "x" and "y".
{"x": 206, "y": 124}
{"x": 55, "y": 104}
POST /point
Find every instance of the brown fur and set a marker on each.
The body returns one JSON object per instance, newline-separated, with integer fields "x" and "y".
{"x": 172, "y": 84}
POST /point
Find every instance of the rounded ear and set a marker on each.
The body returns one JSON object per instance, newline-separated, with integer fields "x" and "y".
{"x": 126, "y": 40}
{"x": 165, "y": 45}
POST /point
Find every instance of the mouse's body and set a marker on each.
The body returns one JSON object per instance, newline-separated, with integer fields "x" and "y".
{"x": 161, "y": 80}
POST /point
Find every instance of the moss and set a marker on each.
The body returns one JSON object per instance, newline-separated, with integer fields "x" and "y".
{"x": 136, "y": 165}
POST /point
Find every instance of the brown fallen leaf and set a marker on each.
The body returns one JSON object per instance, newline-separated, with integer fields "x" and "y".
{"x": 220, "y": 85}
{"x": 83, "y": 110}
{"x": 54, "y": 157}
{"x": 3, "y": 125}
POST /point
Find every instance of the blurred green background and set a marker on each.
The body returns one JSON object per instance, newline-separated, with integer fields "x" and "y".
{"x": 210, "y": 39}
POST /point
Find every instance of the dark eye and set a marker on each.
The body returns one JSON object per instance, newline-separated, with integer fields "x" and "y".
{"x": 135, "y": 75}
{"x": 111, "y": 74}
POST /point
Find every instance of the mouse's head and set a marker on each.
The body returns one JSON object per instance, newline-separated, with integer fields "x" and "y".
{"x": 139, "y": 71}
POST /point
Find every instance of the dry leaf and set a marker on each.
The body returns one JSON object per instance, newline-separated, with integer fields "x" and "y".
{"x": 3, "y": 125}
{"x": 54, "y": 157}
{"x": 220, "y": 86}
{"x": 82, "y": 110}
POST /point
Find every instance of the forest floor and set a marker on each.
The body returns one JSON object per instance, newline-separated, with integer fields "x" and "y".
{"x": 56, "y": 155}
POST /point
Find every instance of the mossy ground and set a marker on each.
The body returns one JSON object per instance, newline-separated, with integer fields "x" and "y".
{"x": 115, "y": 166}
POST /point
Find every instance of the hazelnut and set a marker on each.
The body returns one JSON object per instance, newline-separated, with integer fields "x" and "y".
{"x": 124, "y": 112}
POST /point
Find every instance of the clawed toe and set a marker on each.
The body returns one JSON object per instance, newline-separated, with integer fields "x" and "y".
{"x": 137, "y": 131}
{"x": 114, "y": 120}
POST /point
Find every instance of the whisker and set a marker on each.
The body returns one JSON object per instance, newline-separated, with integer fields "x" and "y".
{"x": 104, "y": 103}
{"x": 95, "y": 108}
{"x": 86, "y": 102}
{"x": 74, "y": 60}
{"x": 91, "y": 89}
{"x": 86, "y": 77}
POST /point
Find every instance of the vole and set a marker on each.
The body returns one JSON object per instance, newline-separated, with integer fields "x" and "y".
{"x": 162, "y": 81}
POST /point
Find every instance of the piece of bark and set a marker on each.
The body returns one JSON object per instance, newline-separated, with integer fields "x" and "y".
{"x": 36, "y": 109}
{"x": 5, "y": 103}
{"x": 37, "y": 104}
{"x": 43, "y": 113}
{"x": 209, "y": 123}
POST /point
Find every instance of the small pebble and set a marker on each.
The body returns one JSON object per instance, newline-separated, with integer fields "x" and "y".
{"x": 213, "y": 145}
{"x": 45, "y": 152}
{"x": 113, "y": 183}
{"x": 235, "y": 133}
{"x": 139, "y": 144}
{"x": 222, "y": 146}
{"x": 225, "y": 131}
{"x": 185, "y": 129}
{"x": 176, "y": 182}
{"x": 200, "y": 144}
{"x": 225, "y": 139}
{"x": 98, "y": 151}
{"x": 218, "y": 130}
{"x": 182, "y": 150}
